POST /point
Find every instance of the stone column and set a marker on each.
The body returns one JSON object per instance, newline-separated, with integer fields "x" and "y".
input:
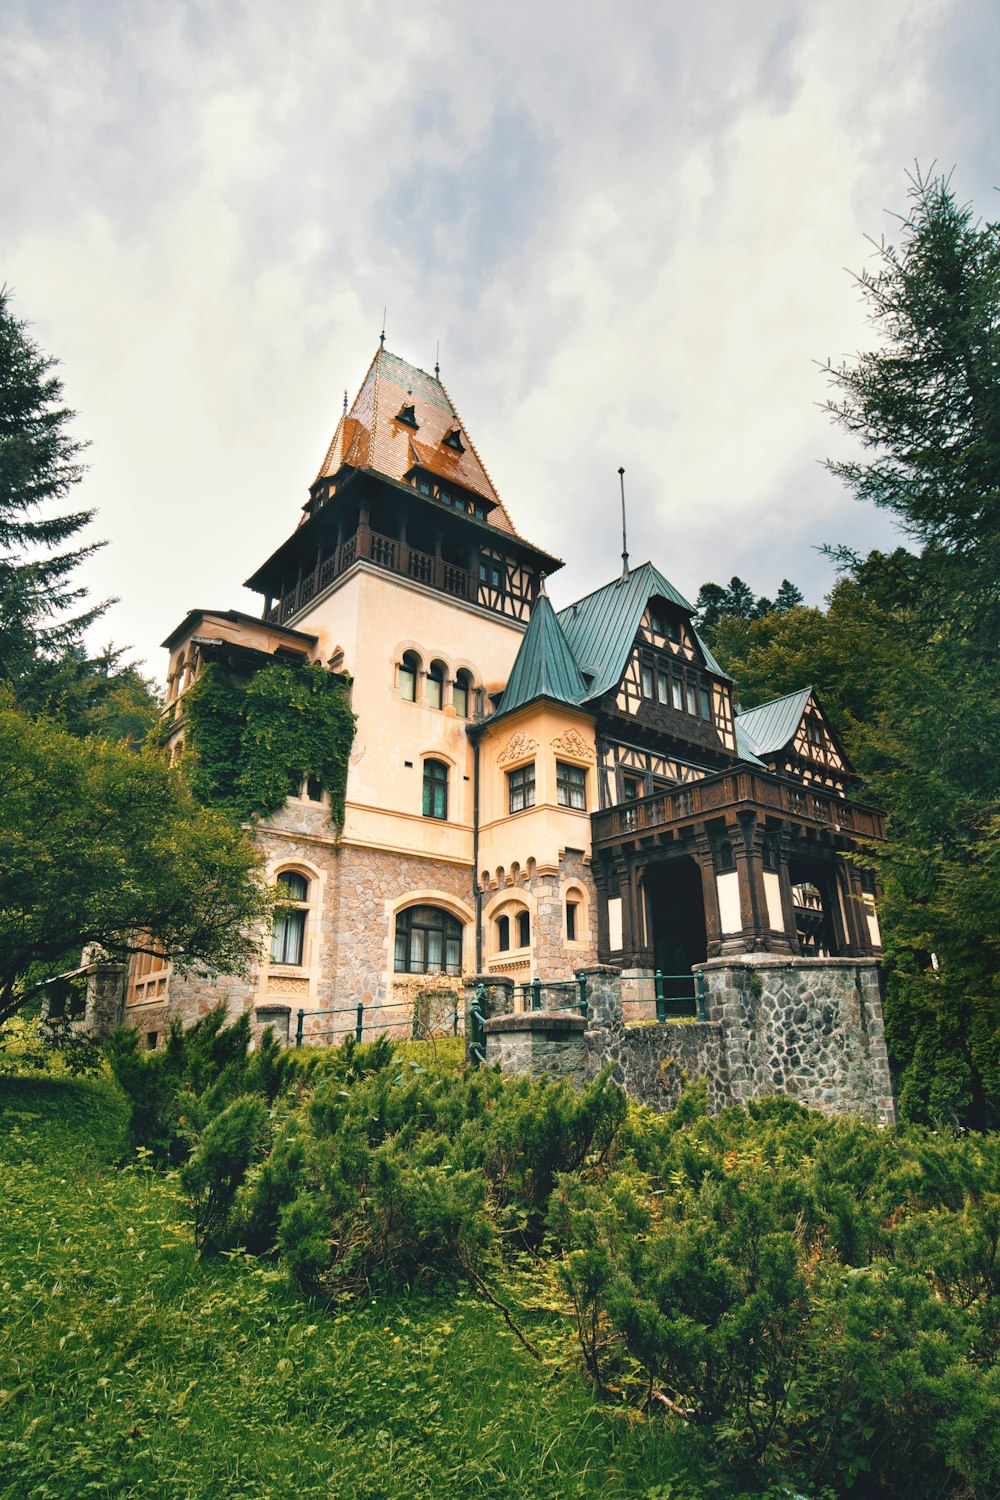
{"x": 105, "y": 1005}
{"x": 604, "y": 996}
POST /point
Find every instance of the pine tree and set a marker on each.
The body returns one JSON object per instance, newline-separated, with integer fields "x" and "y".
{"x": 40, "y": 602}
{"x": 788, "y": 597}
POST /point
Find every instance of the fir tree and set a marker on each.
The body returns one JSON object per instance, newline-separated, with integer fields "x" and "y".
{"x": 41, "y": 605}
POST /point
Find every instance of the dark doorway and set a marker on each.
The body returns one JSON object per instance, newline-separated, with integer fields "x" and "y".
{"x": 813, "y": 898}
{"x": 676, "y": 920}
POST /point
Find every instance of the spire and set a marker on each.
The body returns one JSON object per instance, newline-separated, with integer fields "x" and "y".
{"x": 545, "y": 666}
{"x": 621, "y": 481}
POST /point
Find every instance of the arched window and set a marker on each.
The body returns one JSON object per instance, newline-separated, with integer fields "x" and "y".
{"x": 523, "y": 929}
{"x": 460, "y": 693}
{"x": 288, "y": 937}
{"x": 503, "y": 933}
{"x": 435, "y": 789}
{"x": 407, "y": 676}
{"x": 428, "y": 941}
{"x": 435, "y": 685}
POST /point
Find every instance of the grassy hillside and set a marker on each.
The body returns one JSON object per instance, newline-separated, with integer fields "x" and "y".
{"x": 130, "y": 1368}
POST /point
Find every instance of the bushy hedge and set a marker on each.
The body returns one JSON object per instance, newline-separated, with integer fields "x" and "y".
{"x": 820, "y": 1296}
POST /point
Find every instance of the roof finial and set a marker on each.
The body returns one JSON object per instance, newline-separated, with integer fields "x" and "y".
{"x": 621, "y": 480}
{"x": 381, "y": 337}
{"x": 541, "y": 586}
{"x": 437, "y": 360}
{"x": 345, "y": 403}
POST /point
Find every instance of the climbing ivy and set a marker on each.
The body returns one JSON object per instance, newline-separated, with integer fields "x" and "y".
{"x": 250, "y": 743}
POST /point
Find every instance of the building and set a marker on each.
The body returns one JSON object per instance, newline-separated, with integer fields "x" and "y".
{"x": 529, "y": 792}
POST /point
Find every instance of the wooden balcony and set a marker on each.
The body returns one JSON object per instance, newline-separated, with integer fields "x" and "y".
{"x": 386, "y": 552}
{"x": 726, "y": 794}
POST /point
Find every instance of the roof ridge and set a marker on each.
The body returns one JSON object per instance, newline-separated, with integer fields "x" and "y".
{"x": 479, "y": 461}
{"x": 782, "y": 698}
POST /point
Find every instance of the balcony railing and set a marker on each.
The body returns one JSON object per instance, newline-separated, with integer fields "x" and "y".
{"x": 386, "y": 552}
{"x": 735, "y": 791}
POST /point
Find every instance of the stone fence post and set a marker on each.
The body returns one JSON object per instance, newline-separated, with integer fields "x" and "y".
{"x": 497, "y": 999}
{"x": 604, "y": 997}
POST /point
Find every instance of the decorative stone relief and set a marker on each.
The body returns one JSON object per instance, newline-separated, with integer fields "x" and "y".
{"x": 276, "y": 984}
{"x": 571, "y": 742}
{"x": 517, "y": 746}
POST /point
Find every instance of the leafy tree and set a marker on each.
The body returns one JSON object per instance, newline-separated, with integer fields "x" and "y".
{"x": 99, "y": 694}
{"x": 925, "y": 405}
{"x": 926, "y": 408}
{"x": 40, "y": 603}
{"x": 718, "y": 607}
{"x": 101, "y": 846}
{"x": 739, "y": 599}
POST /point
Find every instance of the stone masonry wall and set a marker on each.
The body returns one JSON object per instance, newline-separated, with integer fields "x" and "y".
{"x": 807, "y": 1028}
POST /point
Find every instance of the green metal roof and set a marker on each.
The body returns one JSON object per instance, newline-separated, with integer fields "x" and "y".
{"x": 601, "y": 628}
{"x": 545, "y": 667}
{"x": 770, "y": 727}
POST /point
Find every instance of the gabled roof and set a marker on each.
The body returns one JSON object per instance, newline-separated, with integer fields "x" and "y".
{"x": 769, "y": 728}
{"x": 601, "y": 628}
{"x": 371, "y": 436}
{"x": 545, "y": 666}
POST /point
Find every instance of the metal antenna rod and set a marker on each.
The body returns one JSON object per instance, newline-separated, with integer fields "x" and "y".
{"x": 437, "y": 361}
{"x": 621, "y": 480}
{"x": 381, "y": 337}
{"x": 345, "y": 403}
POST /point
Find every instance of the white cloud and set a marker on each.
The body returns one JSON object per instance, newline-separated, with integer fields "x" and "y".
{"x": 628, "y": 231}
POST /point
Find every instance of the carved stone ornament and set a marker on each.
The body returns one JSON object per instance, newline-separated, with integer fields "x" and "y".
{"x": 570, "y": 742}
{"x": 516, "y": 747}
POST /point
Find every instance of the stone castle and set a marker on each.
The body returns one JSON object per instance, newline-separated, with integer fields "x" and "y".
{"x": 534, "y": 793}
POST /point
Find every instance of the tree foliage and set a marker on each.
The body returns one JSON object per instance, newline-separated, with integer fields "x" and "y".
{"x": 102, "y": 846}
{"x": 717, "y": 605}
{"x": 251, "y": 743}
{"x": 41, "y": 605}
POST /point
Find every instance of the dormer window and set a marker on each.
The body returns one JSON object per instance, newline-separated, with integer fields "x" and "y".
{"x": 407, "y": 415}
{"x": 453, "y": 440}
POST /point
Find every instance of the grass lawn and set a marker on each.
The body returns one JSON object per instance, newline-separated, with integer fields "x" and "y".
{"x": 128, "y": 1367}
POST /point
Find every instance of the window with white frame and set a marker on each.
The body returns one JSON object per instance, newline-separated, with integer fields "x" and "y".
{"x": 571, "y": 786}
{"x": 288, "y": 935}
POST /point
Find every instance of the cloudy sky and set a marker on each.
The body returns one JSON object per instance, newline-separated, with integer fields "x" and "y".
{"x": 628, "y": 225}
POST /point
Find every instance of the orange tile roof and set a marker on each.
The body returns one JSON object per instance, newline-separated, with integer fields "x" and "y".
{"x": 372, "y": 437}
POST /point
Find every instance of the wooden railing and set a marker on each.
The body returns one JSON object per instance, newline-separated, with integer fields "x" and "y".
{"x": 386, "y": 552}
{"x": 733, "y": 791}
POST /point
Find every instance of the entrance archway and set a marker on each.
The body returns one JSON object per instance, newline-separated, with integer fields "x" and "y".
{"x": 813, "y": 898}
{"x": 676, "y": 919}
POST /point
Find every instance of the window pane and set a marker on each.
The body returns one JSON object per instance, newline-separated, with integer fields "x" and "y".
{"x": 434, "y": 942}
{"x": 407, "y": 683}
{"x": 704, "y": 703}
{"x": 435, "y": 803}
{"x": 503, "y": 933}
{"x": 523, "y": 929}
{"x": 434, "y": 688}
{"x": 400, "y": 957}
{"x": 571, "y": 921}
{"x": 417, "y": 951}
{"x": 453, "y": 955}
{"x": 677, "y": 695}
{"x": 692, "y": 700}
{"x": 521, "y": 788}
{"x": 662, "y": 687}
{"x": 286, "y": 944}
{"x": 460, "y": 697}
{"x": 291, "y": 886}
{"x": 647, "y": 681}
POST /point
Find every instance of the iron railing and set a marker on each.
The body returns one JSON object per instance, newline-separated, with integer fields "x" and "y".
{"x": 376, "y": 1024}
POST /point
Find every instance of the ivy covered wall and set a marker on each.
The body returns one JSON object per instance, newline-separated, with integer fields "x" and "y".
{"x": 251, "y": 742}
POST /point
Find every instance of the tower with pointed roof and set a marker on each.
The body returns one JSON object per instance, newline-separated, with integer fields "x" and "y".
{"x": 529, "y": 792}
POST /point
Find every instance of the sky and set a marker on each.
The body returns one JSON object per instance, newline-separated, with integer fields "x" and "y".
{"x": 631, "y": 228}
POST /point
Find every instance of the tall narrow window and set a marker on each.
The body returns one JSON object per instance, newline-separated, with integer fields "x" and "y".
{"x": 646, "y": 674}
{"x": 571, "y": 786}
{"x": 408, "y": 669}
{"x": 435, "y": 685}
{"x": 288, "y": 936}
{"x": 571, "y": 907}
{"x": 521, "y": 788}
{"x": 523, "y": 929}
{"x": 435, "y": 789}
{"x": 676, "y": 694}
{"x": 503, "y": 933}
{"x": 692, "y": 699}
{"x": 460, "y": 694}
{"x": 704, "y": 704}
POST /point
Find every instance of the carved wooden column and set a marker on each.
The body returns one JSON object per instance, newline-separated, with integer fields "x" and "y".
{"x": 750, "y": 872}
{"x": 709, "y": 893}
{"x": 787, "y": 900}
{"x": 364, "y": 531}
{"x": 849, "y": 881}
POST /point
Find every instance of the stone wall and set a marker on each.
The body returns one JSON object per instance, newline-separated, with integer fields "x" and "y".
{"x": 810, "y": 1029}
{"x": 545, "y": 1043}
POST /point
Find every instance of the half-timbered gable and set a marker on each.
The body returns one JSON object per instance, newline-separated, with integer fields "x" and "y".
{"x": 793, "y": 736}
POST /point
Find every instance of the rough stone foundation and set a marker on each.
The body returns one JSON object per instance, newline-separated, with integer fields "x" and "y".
{"x": 810, "y": 1029}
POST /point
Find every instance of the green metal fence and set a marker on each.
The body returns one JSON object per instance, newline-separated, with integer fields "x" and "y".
{"x": 371, "y": 1019}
